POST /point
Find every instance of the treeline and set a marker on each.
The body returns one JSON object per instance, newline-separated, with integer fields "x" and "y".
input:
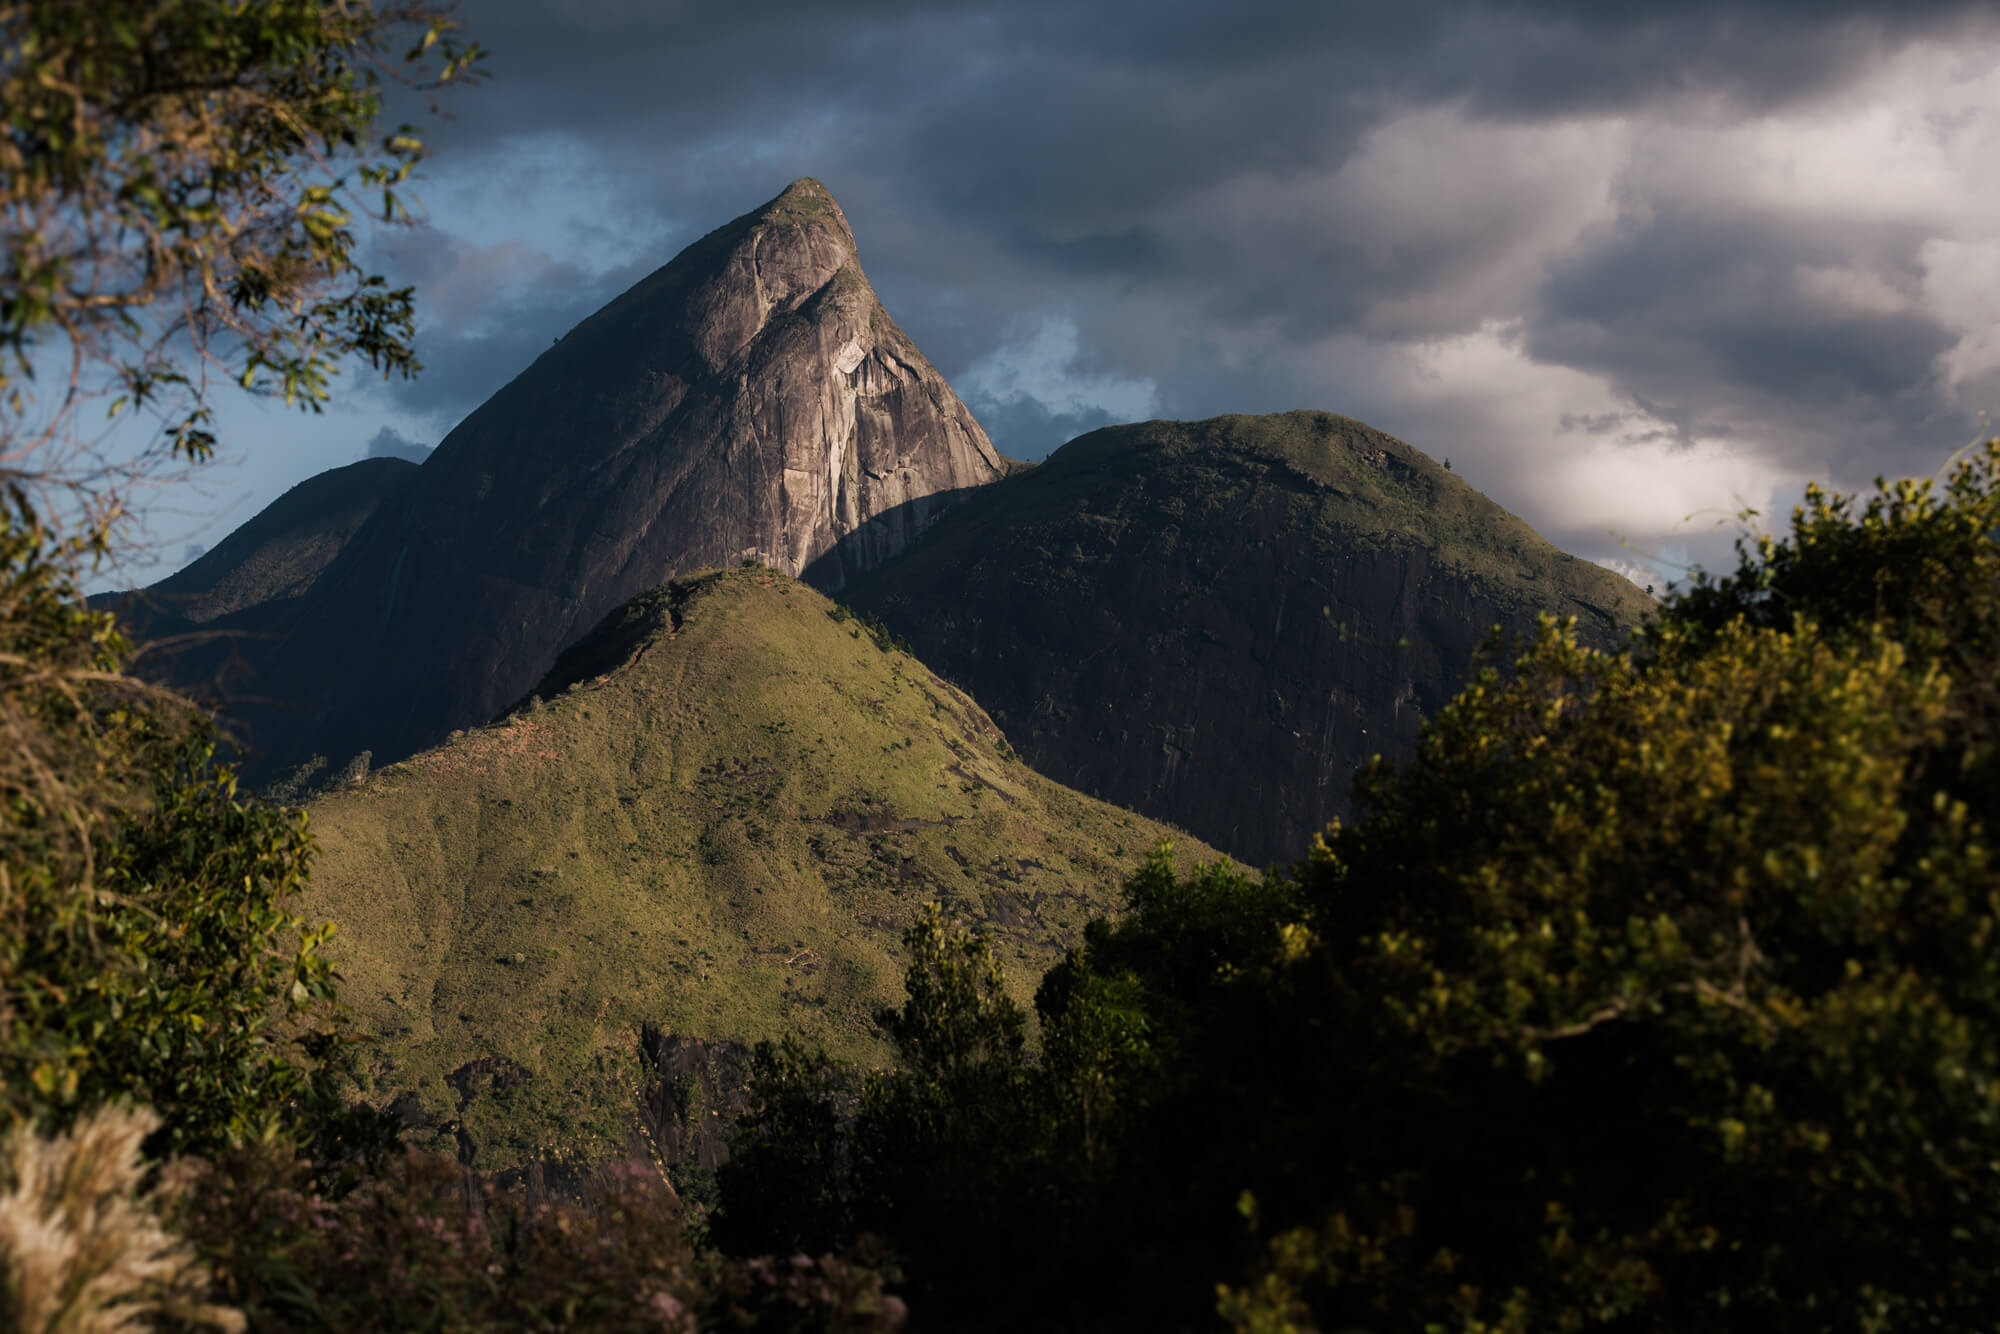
{"x": 1660, "y": 992}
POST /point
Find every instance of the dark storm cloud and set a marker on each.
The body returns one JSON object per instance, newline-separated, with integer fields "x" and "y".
{"x": 1128, "y": 252}
{"x": 1055, "y": 133}
{"x": 1690, "y": 307}
{"x": 1538, "y": 58}
{"x": 610, "y": 65}
{"x": 1251, "y": 207}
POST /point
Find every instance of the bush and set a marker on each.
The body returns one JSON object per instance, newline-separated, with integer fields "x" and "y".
{"x": 147, "y": 947}
{"x": 421, "y": 1245}
{"x": 1661, "y": 984}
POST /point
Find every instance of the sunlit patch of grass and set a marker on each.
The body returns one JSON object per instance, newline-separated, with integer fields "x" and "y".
{"x": 723, "y": 835}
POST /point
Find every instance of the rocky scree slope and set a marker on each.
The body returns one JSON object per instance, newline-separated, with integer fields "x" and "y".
{"x": 715, "y": 816}
{"x": 1215, "y": 623}
{"x": 750, "y": 400}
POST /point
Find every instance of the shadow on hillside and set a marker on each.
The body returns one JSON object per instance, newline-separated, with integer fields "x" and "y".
{"x": 216, "y": 662}
{"x": 883, "y": 538}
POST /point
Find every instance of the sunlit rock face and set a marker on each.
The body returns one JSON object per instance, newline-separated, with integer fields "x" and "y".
{"x": 749, "y": 401}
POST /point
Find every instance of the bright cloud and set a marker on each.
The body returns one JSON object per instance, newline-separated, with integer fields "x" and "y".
{"x": 1046, "y": 365}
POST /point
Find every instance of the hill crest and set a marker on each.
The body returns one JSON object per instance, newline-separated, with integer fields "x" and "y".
{"x": 1217, "y": 622}
{"x": 716, "y": 818}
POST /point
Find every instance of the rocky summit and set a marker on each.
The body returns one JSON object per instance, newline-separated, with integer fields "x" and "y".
{"x": 750, "y": 401}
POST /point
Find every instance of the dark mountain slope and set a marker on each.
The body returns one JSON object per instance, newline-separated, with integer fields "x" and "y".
{"x": 283, "y": 550}
{"x": 206, "y": 627}
{"x": 716, "y": 815}
{"x": 750, "y": 400}
{"x": 1216, "y": 622}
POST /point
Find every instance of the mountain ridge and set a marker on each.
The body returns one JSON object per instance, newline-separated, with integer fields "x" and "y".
{"x": 750, "y": 399}
{"x": 1116, "y": 605}
{"x": 1217, "y": 622}
{"x": 282, "y": 550}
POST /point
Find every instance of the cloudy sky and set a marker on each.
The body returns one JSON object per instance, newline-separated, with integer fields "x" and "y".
{"x": 1632, "y": 267}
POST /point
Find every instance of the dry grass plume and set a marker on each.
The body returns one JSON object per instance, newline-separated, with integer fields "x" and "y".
{"x": 82, "y": 1248}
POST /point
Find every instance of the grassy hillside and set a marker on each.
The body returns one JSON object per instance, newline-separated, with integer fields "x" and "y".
{"x": 717, "y": 816}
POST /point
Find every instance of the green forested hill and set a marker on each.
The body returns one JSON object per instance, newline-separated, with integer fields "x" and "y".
{"x": 717, "y": 816}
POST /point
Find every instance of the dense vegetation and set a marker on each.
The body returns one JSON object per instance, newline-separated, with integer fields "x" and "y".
{"x": 178, "y": 185}
{"x": 149, "y": 946}
{"x": 1658, "y": 992}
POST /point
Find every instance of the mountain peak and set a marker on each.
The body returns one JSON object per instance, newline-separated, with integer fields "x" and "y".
{"x": 748, "y": 401}
{"x": 805, "y": 200}
{"x": 733, "y": 285}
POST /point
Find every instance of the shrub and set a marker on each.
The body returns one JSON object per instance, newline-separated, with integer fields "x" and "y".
{"x": 420, "y": 1244}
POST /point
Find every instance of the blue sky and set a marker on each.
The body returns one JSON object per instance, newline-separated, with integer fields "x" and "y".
{"x": 1631, "y": 267}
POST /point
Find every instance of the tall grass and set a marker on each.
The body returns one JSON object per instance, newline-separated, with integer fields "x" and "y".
{"x": 83, "y": 1249}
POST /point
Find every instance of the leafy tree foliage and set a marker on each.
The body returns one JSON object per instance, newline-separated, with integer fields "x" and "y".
{"x": 1007, "y": 1186}
{"x": 829, "y": 1155}
{"x": 178, "y": 181}
{"x": 1658, "y": 992}
{"x": 790, "y": 1178}
{"x": 149, "y": 948}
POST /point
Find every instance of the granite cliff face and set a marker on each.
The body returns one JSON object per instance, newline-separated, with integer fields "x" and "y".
{"x": 749, "y": 401}
{"x": 1216, "y": 623}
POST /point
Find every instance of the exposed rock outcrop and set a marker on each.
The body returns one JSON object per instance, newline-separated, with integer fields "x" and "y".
{"x": 749, "y": 401}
